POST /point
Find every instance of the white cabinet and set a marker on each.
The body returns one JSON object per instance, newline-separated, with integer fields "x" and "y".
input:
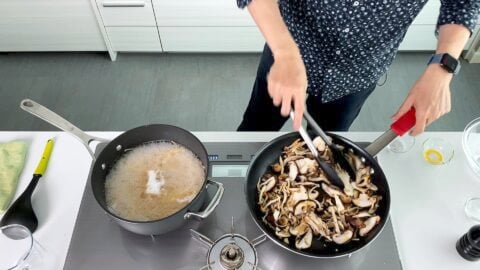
{"x": 126, "y": 12}
{"x": 421, "y": 34}
{"x": 134, "y": 39}
{"x": 206, "y": 26}
{"x": 153, "y": 26}
{"x": 130, "y": 25}
{"x": 422, "y": 38}
{"x": 219, "y": 25}
{"x": 211, "y": 39}
{"x": 49, "y": 25}
{"x": 222, "y": 13}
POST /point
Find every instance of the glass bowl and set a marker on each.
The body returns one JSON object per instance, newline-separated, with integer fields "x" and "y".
{"x": 471, "y": 145}
{"x": 437, "y": 151}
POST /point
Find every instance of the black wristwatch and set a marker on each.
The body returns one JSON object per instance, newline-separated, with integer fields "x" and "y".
{"x": 446, "y": 61}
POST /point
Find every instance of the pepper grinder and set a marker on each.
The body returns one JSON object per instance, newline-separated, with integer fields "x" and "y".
{"x": 468, "y": 246}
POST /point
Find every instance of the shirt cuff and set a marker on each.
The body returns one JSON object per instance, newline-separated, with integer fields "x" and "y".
{"x": 243, "y": 3}
{"x": 463, "y": 12}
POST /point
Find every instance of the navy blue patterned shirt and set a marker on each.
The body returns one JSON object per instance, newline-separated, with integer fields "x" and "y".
{"x": 347, "y": 45}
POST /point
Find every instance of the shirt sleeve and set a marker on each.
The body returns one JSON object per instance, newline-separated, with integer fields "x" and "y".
{"x": 243, "y": 3}
{"x": 464, "y": 12}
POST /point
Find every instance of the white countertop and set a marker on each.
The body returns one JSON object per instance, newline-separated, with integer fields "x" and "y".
{"x": 427, "y": 201}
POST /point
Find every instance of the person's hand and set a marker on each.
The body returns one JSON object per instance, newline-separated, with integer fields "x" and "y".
{"x": 287, "y": 84}
{"x": 430, "y": 96}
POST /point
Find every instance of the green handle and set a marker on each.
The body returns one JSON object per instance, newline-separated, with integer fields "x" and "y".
{"x": 42, "y": 165}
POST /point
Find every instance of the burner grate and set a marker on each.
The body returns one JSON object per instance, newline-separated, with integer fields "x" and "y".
{"x": 231, "y": 251}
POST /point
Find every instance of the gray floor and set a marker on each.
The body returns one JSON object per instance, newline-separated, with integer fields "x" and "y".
{"x": 195, "y": 91}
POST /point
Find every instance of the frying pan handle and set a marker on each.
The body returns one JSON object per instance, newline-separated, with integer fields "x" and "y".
{"x": 211, "y": 206}
{"x": 49, "y": 116}
{"x": 398, "y": 128}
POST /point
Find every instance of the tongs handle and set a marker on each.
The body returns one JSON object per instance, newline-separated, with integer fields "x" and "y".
{"x": 317, "y": 128}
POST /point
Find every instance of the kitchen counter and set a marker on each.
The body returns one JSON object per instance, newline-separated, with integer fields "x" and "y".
{"x": 427, "y": 201}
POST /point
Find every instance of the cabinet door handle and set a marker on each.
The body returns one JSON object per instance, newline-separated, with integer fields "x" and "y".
{"x": 130, "y": 3}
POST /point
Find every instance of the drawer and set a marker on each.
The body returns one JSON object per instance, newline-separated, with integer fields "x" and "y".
{"x": 126, "y": 12}
{"x": 211, "y": 39}
{"x": 49, "y": 25}
{"x": 422, "y": 38}
{"x": 134, "y": 39}
{"x": 201, "y": 13}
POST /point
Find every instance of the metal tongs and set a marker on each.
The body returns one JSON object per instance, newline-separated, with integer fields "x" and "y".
{"x": 338, "y": 155}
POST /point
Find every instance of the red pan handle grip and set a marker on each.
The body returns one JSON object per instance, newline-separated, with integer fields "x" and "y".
{"x": 404, "y": 123}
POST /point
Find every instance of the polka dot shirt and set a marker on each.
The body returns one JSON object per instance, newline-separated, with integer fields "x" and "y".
{"x": 347, "y": 45}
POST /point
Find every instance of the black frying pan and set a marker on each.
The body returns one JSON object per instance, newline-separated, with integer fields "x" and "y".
{"x": 119, "y": 146}
{"x": 269, "y": 154}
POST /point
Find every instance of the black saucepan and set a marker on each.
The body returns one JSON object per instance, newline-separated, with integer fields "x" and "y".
{"x": 117, "y": 147}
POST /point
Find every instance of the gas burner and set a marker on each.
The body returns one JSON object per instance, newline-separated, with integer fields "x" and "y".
{"x": 231, "y": 251}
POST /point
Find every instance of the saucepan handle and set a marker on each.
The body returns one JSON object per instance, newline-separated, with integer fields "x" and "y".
{"x": 51, "y": 117}
{"x": 211, "y": 205}
{"x": 397, "y": 128}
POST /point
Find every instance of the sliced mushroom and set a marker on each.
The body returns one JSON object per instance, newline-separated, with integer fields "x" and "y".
{"x": 372, "y": 187}
{"x": 362, "y": 215}
{"x": 291, "y": 159}
{"x": 369, "y": 224}
{"x": 282, "y": 233}
{"x": 331, "y": 191}
{"x": 292, "y": 170}
{"x": 357, "y": 162}
{"x": 282, "y": 167}
{"x": 339, "y": 204}
{"x": 283, "y": 222}
{"x": 313, "y": 194}
{"x": 342, "y": 238}
{"x": 363, "y": 201}
{"x": 304, "y": 207}
{"x": 276, "y": 214}
{"x": 270, "y": 183}
{"x": 356, "y": 222}
{"x": 320, "y": 144}
{"x": 300, "y": 194}
{"x": 305, "y": 165}
{"x": 320, "y": 178}
{"x": 348, "y": 188}
{"x": 298, "y": 200}
{"x": 304, "y": 241}
{"x": 317, "y": 225}
{"x": 277, "y": 167}
{"x": 264, "y": 207}
{"x": 334, "y": 217}
{"x": 346, "y": 199}
{"x": 361, "y": 174}
{"x": 300, "y": 229}
{"x": 362, "y": 189}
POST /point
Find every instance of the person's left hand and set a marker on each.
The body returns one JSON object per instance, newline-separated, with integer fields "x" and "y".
{"x": 430, "y": 96}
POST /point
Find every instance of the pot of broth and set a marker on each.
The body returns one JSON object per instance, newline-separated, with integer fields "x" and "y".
{"x": 149, "y": 179}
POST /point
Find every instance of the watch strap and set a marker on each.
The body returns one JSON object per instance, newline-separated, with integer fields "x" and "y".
{"x": 437, "y": 59}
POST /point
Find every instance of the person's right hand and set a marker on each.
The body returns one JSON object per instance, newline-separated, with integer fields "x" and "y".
{"x": 287, "y": 84}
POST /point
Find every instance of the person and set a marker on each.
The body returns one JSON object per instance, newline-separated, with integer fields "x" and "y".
{"x": 337, "y": 51}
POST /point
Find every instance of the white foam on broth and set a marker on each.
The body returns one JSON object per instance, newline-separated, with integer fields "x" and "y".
{"x": 153, "y": 181}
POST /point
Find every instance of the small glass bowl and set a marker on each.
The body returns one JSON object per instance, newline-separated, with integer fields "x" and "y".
{"x": 472, "y": 209}
{"x": 437, "y": 151}
{"x": 20, "y": 251}
{"x": 471, "y": 145}
{"x": 402, "y": 144}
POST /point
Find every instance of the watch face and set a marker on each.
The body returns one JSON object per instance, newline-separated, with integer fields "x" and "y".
{"x": 449, "y": 62}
